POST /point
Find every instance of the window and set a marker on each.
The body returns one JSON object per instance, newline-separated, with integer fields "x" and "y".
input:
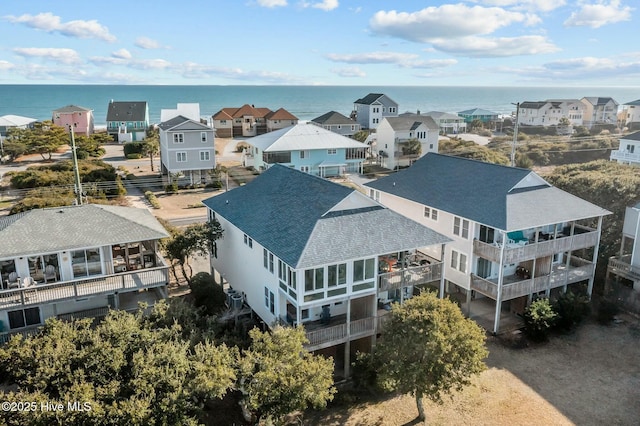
{"x": 265, "y": 258}
{"x": 459, "y": 261}
{"x": 374, "y": 195}
{"x": 461, "y": 227}
{"x": 270, "y": 300}
{"x": 181, "y": 157}
{"x": 271, "y": 262}
{"x": 178, "y": 138}
{"x": 282, "y": 270}
{"x": 203, "y": 136}
{"x": 332, "y": 151}
{"x": 248, "y": 241}
{"x": 337, "y": 274}
{"x": 314, "y": 279}
{"x": 304, "y": 154}
{"x": 86, "y": 262}
{"x": 24, "y": 317}
{"x": 205, "y": 156}
{"x": 392, "y": 109}
{"x": 431, "y": 213}
{"x": 363, "y": 269}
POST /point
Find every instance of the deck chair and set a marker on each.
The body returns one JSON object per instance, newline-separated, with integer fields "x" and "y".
{"x": 50, "y": 273}
{"x": 13, "y": 280}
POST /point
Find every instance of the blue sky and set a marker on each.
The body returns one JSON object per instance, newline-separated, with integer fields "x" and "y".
{"x": 322, "y": 42}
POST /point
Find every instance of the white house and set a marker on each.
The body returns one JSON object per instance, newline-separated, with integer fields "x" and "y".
{"x": 628, "y": 151}
{"x": 625, "y": 266}
{"x": 77, "y": 261}
{"x": 630, "y": 114}
{"x": 394, "y": 134}
{"x": 298, "y": 249}
{"x": 337, "y": 123}
{"x": 599, "y": 110}
{"x": 187, "y": 150}
{"x": 550, "y": 112}
{"x": 514, "y": 235}
{"x": 448, "y": 123}
{"x": 371, "y": 109}
{"x": 306, "y": 147}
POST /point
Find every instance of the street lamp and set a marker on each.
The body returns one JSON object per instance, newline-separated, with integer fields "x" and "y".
{"x": 76, "y": 170}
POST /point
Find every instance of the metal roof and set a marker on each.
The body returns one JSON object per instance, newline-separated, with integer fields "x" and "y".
{"x": 302, "y": 136}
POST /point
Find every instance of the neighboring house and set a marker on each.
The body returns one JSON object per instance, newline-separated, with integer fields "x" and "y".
{"x": 630, "y": 115}
{"x": 370, "y": 110}
{"x": 479, "y": 114}
{"x": 629, "y": 150}
{"x": 79, "y": 117}
{"x": 514, "y": 235}
{"x": 190, "y": 110}
{"x": 14, "y": 121}
{"x": 300, "y": 250}
{"x": 127, "y": 121}
{"x": 447, "y": 122}
{"x": 187, "y": 151}
{"x": 248, "y": 121}
{"x": 395, "y": 133}
{"x": 599, "y": 110}
{"x": 306, "y": 147}
{"x": 625, "y": 267}
{"x": 77, "y": 261}
{"x": 550, "y": 112}
{"x": 337, "y": 123}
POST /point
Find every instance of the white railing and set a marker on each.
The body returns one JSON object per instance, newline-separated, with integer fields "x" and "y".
{"x": 103, "y": 284}
{"x": 621, "y": 264}
{"x": 514, "y": 253}
{"x": 340, "y": 333}
{"x": 414, "y": 275}
{"x": 625, "y": 156}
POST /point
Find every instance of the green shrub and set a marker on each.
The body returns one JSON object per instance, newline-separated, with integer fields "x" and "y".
{"x": 134, "y": 156}
{"x": 539, "y": 317}
{"x": 153, "y": 200}
{"x": 215, "y": 185}
{"x": 571, "y": 309}
{"x": 207, "y": 293}
{"x": 607, "y": 310}
{"x": 133, "y": 148}
{"x": 172, "y": 188}
{"x": 120, "y": 189}
{"x": 240, "y": 146}
{"x": 365, "y": 372}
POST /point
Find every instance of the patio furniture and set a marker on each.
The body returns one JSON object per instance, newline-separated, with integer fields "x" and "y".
{"x": 14, "y": 280}
{"x": 50, "y": 273}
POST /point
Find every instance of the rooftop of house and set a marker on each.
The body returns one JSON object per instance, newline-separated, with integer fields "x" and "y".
{"x": 72, "y": 109}
{"x": 333, "y": 117}
{"x": 15, "y": 120}
{"x": 127, "y": 111}
{"x": 280, "y": 114}
{"x": 477, "y": 111}
{"x": 247, "y": 110}
{"x": 308, "y": 221}
{"x": 502, "y": 197}
{"x": 302, "y": 136}
{"x": 634, "y": 103}
{"x": 596, "y": 101}
{"x": 411, "y": 122}
{"x": 439, "y": 115}
{"x": 68, "y": 228}
{"x": 182, "y": 123}
{"x": 632, "y": 136}
{"x": 372, "y": 98}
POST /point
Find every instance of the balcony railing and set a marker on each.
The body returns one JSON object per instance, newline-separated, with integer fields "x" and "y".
{"x": 340, "y": 333}
{"x": 515, "y": 253}
{"x": 622, "y": 265}
{"x": 414, "y": 275}
{"x": 561, "y": 275}
{"x": 103, "y": 284}
{"x": 625, "y": 156}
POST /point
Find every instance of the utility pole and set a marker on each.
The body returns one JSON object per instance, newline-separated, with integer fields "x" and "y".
{"x": 76, "y": 170}
{"x": 515, "y": 136}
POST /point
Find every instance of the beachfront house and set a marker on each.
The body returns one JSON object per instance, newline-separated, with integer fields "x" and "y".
{"x": 402, "y": 140}
{"x": 599, "y": 111}
{"x": 630, "y": 115}
{"x": 370, "y": 110}
{"x": 127, "y": 121}
{"x": 447, "y": 122}
{"x": 483, "y": 115}
{"x": 306, "y": 147}
{"x": 337, "y": 123}
{"x": 72, "y": 115}
{"x": 187, "y": 151}
{"x": 249, "y": 121}
{"x": 624, "y": 268}
{"x": 514, "y": 235}
{"x": 628, "y": 151}
{"x": 300, "y": 250}
{"x": 77, "y": 262}
{"x": 551, "y": 112}
{"x": 14, "y": 122}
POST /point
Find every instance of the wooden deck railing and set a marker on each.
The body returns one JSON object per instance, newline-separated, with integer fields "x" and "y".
{"x": 414, "y": 275}
{"x": 623, "y": 266}
{"x": 340, "y": 333}
{"x": 103, "y": 284}
{"x": 519, "y": 253}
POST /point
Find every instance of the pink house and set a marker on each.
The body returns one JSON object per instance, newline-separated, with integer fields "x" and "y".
{"x": 71, "y": 115}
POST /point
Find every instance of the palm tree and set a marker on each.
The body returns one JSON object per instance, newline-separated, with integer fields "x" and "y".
{"x": 152, "y": 144}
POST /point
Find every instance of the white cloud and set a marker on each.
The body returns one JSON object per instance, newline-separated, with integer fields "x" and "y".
{"x": 434, "y": 63}
{"x": 59, "y": 55}
{"x": 448, "y": 21}
{"x": 528, "y": 5}
{"x": 326, "y": 5}
{"x": 5, "y": 66}
{"x": 598, "y": 14}
{"x": 373, "y": 58}
{"x": 349, "y": 72}
{"x": 122, "y": 54}
{"x": 272, "y": 3}
{"x": 496, "y": 47}
{"x": 147, "y": 43}
{"x": 53, "y": 24}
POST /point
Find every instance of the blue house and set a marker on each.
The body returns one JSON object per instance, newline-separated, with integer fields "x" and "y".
{"x": 308, "y": 148}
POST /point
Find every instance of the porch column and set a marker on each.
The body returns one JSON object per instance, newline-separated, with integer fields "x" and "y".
{"x": 347, "y": 343}
{"x": 442, "y": 269}
{"x": 567, "y": 261}
{"x": 496, "y": 321}
{"x": 595, "y": 258}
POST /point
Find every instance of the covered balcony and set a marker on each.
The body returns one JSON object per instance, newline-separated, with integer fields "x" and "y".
{"x": 537, "y": 244}
{"x": 519, "y": 284}
{"x": 621, "y": 266}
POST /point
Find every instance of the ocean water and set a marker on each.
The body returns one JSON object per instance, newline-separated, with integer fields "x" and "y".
{"x": 305, "y": 102}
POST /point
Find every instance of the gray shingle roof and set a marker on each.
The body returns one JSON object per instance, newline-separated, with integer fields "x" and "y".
{"x": 333, "y": 117}
{"x": 69, "y": 228}
{"x": 127, "y": 111}
{"x": 485, "y": 193}
{"x": 183, "y": 123}
{"x": 72, "y": 108}
{"x": 369, "y": 99}
{"x": 632, "y": 137}
{"x": 411, "y": 122}
{"x": 290, "y": 214}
